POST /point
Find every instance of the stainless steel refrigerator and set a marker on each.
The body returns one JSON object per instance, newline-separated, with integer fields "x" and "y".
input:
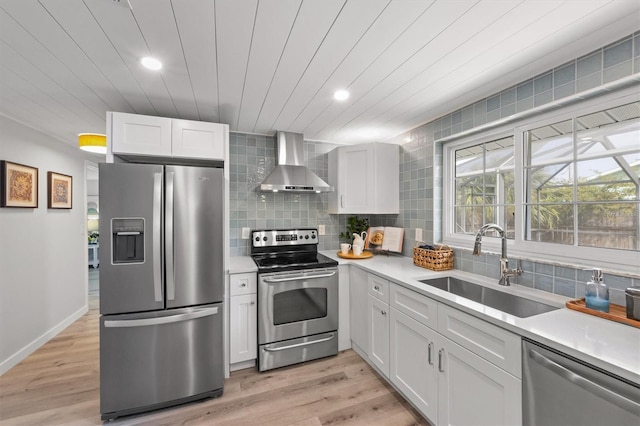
{"x": 161, "y": 286}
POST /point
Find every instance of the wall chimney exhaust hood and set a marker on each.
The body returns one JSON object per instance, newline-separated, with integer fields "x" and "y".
{"x": 290, "y": 174}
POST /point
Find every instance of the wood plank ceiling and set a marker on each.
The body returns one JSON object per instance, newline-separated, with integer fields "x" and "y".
{"x": 266, "y": 65}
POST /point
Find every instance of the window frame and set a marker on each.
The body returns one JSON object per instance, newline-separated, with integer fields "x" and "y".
{"x": 625, "y": 261}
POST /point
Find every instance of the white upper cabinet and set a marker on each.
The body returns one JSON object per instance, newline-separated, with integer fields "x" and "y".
{"x": 197, "y": 139}
{"x": 140, "y": 134}
{"x": 135, "y": 134}
{"x": 366, "y": 178}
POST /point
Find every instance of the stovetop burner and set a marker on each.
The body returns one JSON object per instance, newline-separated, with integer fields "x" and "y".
{"x": 288, "y": 250}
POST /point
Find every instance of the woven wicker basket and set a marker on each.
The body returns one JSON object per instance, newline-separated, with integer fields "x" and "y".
{"x": 439, "y": 259}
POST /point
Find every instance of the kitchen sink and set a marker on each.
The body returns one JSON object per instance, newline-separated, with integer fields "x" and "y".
{"x": 505, "y": 302}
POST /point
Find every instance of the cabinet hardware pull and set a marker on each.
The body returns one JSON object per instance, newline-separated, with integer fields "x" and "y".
{"x": 440, "y": 367}
{"x": 429, "y": 349}
{"x": 243, "y": 285}
{"x": 384, "y": 312}
{"x": 376, "y": 288}
{"x": 252, "y": 303}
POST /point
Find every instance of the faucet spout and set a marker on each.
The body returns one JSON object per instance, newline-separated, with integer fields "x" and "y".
{"x": 505, "y": 272}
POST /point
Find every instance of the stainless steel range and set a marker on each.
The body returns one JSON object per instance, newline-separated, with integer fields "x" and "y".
{"x": 297, "y": 298}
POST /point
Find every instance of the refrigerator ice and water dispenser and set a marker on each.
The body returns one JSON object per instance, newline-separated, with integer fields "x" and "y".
{"x": 128, "y": 240}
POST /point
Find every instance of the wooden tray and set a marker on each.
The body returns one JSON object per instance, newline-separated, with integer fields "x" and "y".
{"x": 350, "y": 255}
{"x": 616, "y": 313}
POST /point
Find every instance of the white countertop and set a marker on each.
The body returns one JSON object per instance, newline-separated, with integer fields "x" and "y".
{"x": 241, "y": 265}
{"x": 606, "y": 344}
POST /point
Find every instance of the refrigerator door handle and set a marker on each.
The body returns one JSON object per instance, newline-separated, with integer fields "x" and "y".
{"x": 157, "y": 236}
{"x": 199, "y": 313}
{"x": 171, "y": 283}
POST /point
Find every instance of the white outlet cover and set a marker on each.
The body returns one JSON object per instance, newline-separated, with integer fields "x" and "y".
{"x": 245, "y": 233}
{"x": 419, "y": 234}
{"x": 321, "y": 230}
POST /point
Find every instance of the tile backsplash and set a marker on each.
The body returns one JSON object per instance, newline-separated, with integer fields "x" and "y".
{"x": 558, "y": 279}
{"x": 252, "y": 157}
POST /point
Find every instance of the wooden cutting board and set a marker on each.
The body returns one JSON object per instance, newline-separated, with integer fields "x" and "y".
{"x": 350, "y": 255}
{"x": 616, "y": 313}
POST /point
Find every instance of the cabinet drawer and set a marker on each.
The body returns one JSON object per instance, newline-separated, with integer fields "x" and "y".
{"x": 378, "y": 288}
{"x": 243, "y": 284}
{"x": 416, "y": 306}
{"x": 492, "y": 343}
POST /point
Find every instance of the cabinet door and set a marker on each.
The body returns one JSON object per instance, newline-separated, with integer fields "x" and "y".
{"x": 356, "y": 186}
{"x": 358, "y": 308}
{"x": 243, "y": 326}
{"x": 472, "y": 391}
{"x": 378, "y": 325}
{"x": 140, "y": 134}
{"x": 412, "y": 363}
{"x": 197, "y": 139}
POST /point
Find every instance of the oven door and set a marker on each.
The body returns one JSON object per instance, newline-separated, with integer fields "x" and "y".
{"x": 297, "y": 304}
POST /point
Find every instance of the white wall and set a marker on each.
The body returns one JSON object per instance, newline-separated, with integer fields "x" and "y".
{"x": 43, "y": 253}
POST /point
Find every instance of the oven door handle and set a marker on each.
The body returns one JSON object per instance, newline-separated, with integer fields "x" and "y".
{"x": 297, "y": 345}
{"x": 299, "y": 277}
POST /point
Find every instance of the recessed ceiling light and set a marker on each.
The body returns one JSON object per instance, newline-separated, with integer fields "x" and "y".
{"x": 151, "y": 63}
{"x": 341, "y": 95}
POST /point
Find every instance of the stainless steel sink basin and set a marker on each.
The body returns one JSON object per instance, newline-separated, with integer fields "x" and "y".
{"x": 505, "y": 302}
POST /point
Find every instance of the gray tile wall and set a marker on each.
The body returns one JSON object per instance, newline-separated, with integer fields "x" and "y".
{"x": 558, "y": 279}
{"x": 252, "y": 157}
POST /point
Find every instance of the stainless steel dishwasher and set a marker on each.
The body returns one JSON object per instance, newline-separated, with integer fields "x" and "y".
{"x": 560, "y": 390}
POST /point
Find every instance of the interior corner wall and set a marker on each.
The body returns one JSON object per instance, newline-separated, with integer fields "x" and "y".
{"x": 43, "y": 252}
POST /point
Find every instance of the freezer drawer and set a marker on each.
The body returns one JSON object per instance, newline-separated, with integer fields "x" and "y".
{"x": 157, "y": 359}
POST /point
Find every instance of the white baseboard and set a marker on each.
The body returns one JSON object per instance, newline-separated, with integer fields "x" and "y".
{"x": 242, "y": 365}
{"x": 14, "y": 359}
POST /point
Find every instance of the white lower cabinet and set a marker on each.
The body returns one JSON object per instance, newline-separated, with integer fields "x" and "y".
{"x": 243, "y": 339}
{"x": 378, "y": 323}
{"x": 358, "y": 309}
{"x": 472, "y": 391}
{"x": 470, "y": 381}
{"x": 412, "y": 362}
{"x": 243, "y": 318}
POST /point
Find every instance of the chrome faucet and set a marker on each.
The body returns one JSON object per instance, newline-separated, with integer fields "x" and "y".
{"x": 505, "y": 272}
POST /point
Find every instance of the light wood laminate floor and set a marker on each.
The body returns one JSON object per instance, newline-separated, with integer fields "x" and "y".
{"x": 59, "y": 384}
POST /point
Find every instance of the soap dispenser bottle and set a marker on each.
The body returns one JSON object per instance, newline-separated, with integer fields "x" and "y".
{"x": 597, "y": 292}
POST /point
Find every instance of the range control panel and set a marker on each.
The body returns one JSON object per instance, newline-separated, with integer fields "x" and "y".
{"x": 284, "y": 237}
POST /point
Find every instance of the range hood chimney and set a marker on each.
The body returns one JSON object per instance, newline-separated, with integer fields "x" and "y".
{"x": 290, "y": 174}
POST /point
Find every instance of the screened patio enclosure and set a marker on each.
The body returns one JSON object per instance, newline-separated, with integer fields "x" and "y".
{"x": 581, "y": 181}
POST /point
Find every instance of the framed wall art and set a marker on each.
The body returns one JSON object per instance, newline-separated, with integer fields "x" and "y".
{"x": 19, "y": 185}
{"x": 59, "y": 191}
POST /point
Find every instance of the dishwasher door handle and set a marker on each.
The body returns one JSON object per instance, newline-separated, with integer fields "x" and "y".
{"x": 590, "y": 386}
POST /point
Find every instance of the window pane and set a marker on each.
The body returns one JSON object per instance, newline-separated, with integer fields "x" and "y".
{"x": 552, "y": 223}
{"x": 608, "y": 225}
{"x": 468, "y": 219}
{"x": 508, "y": 194}
{"x": 509, "y": 221}
{"x": 551, "y": 184}
{"x": 483, "y": 184}
{"x": 469, "y": 191}
{"x": 551, "y": 143}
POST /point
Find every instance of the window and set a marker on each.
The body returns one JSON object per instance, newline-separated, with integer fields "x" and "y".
{"x": 484, "y": 186}
{"x": 582, "y": 179}
{"x": 566, "y": 178}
